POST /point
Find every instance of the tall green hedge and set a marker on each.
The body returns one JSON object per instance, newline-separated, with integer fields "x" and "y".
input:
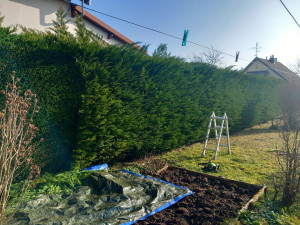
{"x": 48, "y": 68}
{"x": 134, "y": 104}
{"x": 107, "y": 103}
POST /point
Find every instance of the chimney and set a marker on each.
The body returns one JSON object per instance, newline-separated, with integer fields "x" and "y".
{"x": 272, "y": 59}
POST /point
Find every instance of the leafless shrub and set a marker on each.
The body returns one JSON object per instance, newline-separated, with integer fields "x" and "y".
{"x": 287, "y": 180}
{"x": 211, "y": 57}
{"x": 296, "y": 67}
{"x": 17, "y": 135}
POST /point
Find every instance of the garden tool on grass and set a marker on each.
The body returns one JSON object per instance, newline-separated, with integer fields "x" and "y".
{"x": 210, "y": 166}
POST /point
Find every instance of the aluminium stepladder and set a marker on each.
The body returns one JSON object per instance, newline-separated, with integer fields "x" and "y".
{"x": 218, "y": 133}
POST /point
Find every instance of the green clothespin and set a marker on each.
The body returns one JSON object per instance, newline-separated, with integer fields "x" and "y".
{"x": 185, "y": 35}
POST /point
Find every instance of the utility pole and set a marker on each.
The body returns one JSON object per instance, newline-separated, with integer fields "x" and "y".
{"x": 82, "y": 6}
{"x": 88, "y": 2}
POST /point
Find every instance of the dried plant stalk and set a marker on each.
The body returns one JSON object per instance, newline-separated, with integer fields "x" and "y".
{"x": 17, "y": 133}
{"x": 287, "y": 180}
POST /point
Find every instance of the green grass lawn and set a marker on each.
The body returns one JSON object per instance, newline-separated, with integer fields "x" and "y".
{"x": 253, "y": 156}
{"x": 253, "y": 160}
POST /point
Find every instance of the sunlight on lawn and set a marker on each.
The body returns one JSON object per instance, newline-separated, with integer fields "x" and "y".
{"x": 252, "y": 159}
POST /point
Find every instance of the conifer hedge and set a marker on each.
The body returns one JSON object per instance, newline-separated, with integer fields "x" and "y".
{"x": 134, "y": 104}
{"x": 106, "y": 103}
{"x": 47, "y": 66}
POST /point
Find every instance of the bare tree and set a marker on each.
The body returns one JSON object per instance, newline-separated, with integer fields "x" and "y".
{"x": 17, "y": 133}
{"x": 296, "y": 67}
{"x": 287, "y": 180}
{"x": 212, "y": 57}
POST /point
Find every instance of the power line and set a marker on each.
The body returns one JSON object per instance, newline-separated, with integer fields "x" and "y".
{"x": 290, "y": 13}
{"x": 170, "y": 35}
{"x": 161, "y": 32}
{"x": 126, "y": 21}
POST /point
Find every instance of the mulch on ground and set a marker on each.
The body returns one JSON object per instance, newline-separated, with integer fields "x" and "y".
{"x": 212, "y": 202}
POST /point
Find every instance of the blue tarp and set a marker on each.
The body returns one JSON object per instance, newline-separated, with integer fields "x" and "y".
{"x": 105, "y": 197}
{"x": 98, "y": 167}
{"x": 173, "y": 201}
{"x": 147, "y": 178}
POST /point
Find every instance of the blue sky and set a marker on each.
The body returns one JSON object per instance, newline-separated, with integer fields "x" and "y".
{"x": 227, "y": 25}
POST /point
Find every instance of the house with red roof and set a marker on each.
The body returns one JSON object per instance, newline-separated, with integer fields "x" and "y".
{"x": 271, "y": 67}
{"x": 39, "y": 14}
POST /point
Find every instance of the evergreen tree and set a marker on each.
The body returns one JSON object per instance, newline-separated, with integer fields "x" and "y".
{"x": 162, "y": 51}
{"x": 1, "y": 20}
{"x": 60, "y": 26}
{"x": 85, "y": 35}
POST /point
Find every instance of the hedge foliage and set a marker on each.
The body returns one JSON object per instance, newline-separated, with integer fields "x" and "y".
{"x": 107, "y": 103}
{"x": 134, "y": 104}
{"x": 47, "y": 67}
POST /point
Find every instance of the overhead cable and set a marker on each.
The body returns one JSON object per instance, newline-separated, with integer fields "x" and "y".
{"x": 164, "y": 33}
{"x": 179, "y": 38}
{"x": 290, "y": 13}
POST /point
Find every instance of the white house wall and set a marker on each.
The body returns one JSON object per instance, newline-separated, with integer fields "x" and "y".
{"x": 258, "y": 66}
{"x": 39, "y": 14}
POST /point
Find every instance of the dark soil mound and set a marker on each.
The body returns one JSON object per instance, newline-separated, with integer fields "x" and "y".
{"x": 213, "y": 200}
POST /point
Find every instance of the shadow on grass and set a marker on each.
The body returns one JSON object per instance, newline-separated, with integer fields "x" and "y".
{"x": 179, "y": 159}
{"x": 251, "y": 131}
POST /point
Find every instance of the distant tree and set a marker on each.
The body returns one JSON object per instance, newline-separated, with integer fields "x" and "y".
{"x": 162, "y": 50}
{"x": 212, "y": 57}
{"x": 296, "y": 67}
{"x": 144, "y": 47}
{"x": 9, "y": 29}
{"x": 1, "y": 20}
{"x": 84, "y": 35}
{"x": 60, "y": 25}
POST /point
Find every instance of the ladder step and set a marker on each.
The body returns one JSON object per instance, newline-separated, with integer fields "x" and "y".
{"x": 210, "y": 149}
{"x": 215, "y": 139}
{"x": 216, "y": 128}
{"x": 224, "y": 145}
{"x": 217, "y": 117}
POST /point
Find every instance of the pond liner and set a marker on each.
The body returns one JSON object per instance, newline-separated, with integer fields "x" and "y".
{"x": 173, "y": 201}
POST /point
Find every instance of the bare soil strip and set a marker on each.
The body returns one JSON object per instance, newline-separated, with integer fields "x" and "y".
{"x": 214, "y": 199}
